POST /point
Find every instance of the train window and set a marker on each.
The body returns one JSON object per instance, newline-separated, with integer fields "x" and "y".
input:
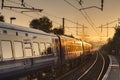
{"x": 27, "y": 45}
{"x": 18, "y": 49}
{"x": 26, "y": 34}
{"x": 16, "y": 33}
{"x": 28, "y": 52}
{"x": 48, "y": 48}
{"x": 36, "y": 48}
{"x": 42, "y": 49}
{"x": 6, "y": 49}
{"x": 28, "y": 49}
{"x": 4, "y": 31}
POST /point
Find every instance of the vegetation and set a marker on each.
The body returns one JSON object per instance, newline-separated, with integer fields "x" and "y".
{"x": 42, "y": 23}
{"x": 2, "y": 18}
{"x": 45, "y": 24}
{"x": 113, "y": 45}
{"x": 58, "y": 31}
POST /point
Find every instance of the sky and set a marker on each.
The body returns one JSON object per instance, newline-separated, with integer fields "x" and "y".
{"x": 55, "y": 10}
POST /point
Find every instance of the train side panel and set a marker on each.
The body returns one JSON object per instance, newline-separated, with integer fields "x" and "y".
{"x": 22, "y": 50}
{"x": 70, "y": 48}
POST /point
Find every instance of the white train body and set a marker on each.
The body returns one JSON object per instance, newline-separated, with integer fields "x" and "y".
{"x": 23, "y": 50}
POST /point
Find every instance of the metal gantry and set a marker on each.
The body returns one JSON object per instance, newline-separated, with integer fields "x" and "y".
{"x": 23, "y": 7}
{"x": 101, "y": 8}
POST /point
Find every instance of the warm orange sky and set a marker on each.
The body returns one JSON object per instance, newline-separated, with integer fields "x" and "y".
{"x": 59, "y": 8}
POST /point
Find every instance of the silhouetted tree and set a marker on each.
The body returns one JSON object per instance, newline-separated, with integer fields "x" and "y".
{"x": 42, "y": 23}
{"x": 114, "y": 44}
{"x": 116, "y": 40}
{"x": 58, "y": 31}
{"x": 2, "y": 18}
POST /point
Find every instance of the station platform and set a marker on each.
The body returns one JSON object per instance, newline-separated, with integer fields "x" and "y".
{"x": 113, "y": 72}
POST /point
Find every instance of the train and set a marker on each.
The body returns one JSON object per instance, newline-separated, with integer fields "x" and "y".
{"x": 24, "y": 50}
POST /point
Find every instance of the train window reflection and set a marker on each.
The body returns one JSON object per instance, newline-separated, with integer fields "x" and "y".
{"x": 28, "y": 52}
{"x": 18, "y": 49}
{"x": 27, "y": 45}
{"x": 48, "y": 48}
{"x": 28, "y": 49}
{"x": 6, "y": 49}
{"x": 36, "y": 49}
{"x": 42, "y": 49}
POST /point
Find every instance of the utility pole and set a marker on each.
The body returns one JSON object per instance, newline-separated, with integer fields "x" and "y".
{"x": 22, "y": 3}
{"x": 118, "y": 21}
{"x": 101, "y": 28}
{"x": 63, "y": 22}
{"x": 2, "y": 4}
{"x": 102, "y": 2}
{"x": 101, "y": 33}
{"x": 77, "y": 29}
{"x": 106, "y": 28}
{"x": 83, "y": 30}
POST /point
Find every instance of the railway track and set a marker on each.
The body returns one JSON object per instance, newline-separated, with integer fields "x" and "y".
{"x": 92, "y": 71}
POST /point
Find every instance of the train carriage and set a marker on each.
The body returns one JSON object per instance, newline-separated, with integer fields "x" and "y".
{"x": 71, "y": 50}
{"x": 71, "y": 46}
{"x": 23, "y": 48}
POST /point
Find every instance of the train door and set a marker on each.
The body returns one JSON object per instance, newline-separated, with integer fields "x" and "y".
{"x": 28, "y": 54}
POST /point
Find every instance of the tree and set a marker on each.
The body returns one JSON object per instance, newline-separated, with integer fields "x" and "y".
{"x": 58, "y": 31}
{"x": 42, "y": 23}
{"x": 114, "y": 44}
{"x": 116, "y": 40}
{"x": 2, "y": 18}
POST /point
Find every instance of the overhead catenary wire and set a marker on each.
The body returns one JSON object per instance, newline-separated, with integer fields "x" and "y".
{"x": 74, "y": 22}
{"x": 70, "y": 31}
{"x": 82, "y": 14}
{"x": 32, "y": 9}
{"x": 78, "y": 10}
{"x": 45, "y": 13}
{"x": 13, "y": 2}
{"x": 86, "y": 12}
{"x": 20, "y": 3}
{"x": 21, "y": 13}
{"x": 109, "y": 23}
{"x": 52, "y": 15}
{"x": 40, "y": 14}
{"x": 88, "y": 16}
{"x": 35, "y": 12}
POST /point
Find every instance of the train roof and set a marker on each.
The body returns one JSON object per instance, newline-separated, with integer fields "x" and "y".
{"x": 87, "y": 43}
{"x": 24, "y": 29}
{"x": 67, "y": 37}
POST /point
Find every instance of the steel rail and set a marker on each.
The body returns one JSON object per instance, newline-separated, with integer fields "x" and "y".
{"x": 102, "y": 66}
{"x": 88, "y": 68}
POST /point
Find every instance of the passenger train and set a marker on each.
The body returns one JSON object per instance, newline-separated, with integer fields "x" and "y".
{"x": 23, "y": 50}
